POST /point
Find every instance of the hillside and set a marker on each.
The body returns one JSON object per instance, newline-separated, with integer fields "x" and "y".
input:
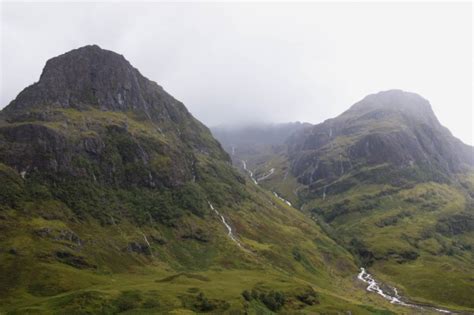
{"x": 115, "y": 199}
{"x": 387, "y": 181}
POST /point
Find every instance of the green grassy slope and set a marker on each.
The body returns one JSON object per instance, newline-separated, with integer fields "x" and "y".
{"x": 83, "y": 245}
{"x": 418, "y": 237}
{"x": 52, "y": 262}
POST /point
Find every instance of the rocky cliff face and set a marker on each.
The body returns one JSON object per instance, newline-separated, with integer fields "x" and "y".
{"x": 389, "y": 136}
{"x": 93, "y": 77}
{"x": 94, "y": 119}
{"x": 92, "y": 115}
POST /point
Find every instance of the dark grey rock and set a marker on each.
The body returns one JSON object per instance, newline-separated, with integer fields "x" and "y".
{"x": 395, "y": 130}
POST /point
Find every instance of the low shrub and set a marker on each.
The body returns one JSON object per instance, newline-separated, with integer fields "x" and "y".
{"x": 128, "y": 300}
{"x": 273, "y": 300}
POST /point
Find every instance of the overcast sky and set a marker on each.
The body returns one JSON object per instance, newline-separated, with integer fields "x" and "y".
{"x": 233, "y": 63}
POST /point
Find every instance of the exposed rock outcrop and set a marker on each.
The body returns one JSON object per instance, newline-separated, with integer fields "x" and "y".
{"x": 385, "y": 134}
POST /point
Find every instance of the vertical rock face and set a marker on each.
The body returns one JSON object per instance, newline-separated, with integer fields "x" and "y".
{"x": 94, "y": 77}
{"x": 395, "y": 130}
{"x": 93, "y": 115}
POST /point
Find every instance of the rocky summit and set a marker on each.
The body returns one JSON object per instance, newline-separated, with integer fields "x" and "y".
{"x": 391, "y": 136}
{"x": 91, "y": 105}
{"x": 93, "y": 77}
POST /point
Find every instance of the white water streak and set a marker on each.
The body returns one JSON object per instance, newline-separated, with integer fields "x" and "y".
{"x": 148, "y": 243}
{"x": 270, "y": 173}
{"x": 229, "y": 228}
{"x": 282, "y": 199}
{"x": 244, "y": 163}
{"x": 374, "y": 286}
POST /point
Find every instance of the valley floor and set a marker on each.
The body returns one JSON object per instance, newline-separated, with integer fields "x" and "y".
{"x": 155, "y": 291}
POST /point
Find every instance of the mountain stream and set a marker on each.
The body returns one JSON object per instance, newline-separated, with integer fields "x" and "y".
{"x": 374, "y": 286}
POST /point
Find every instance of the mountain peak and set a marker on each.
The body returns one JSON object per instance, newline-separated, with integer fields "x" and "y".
{"x": 87, "y": 56}
{"x": 91, "y": 77}
{"x": 396, "y": 100}
{"x": 394, "y": 129}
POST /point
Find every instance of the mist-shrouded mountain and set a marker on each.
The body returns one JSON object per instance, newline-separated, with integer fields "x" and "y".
{"x": 394, "y": 133}
{"x": 115, "y": 199}
{"x": 246, "y": 137}
{"x": 392, "y": 185}
{"x": 254, "y": 144}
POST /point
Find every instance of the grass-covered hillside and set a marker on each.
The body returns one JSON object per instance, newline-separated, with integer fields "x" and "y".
{"x": 53, "y": 261}
{"x": 419, "y": 238}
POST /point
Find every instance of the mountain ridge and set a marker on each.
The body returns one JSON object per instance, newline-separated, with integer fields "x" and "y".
{"x": 383, "y": 127}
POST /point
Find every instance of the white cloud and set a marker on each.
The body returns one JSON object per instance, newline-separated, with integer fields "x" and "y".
{"x": 231, "y": 63}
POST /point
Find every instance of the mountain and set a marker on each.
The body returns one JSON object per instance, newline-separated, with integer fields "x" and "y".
{"x": 394, "y": 133}
{"x": 115, "y": 199}
{"x": 389, "y": 183}
{"x": 90, "y": 91}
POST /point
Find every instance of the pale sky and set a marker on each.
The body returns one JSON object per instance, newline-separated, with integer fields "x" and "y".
{"x": 235, "y": 63}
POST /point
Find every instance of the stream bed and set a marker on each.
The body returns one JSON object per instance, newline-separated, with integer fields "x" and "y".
{"x": 394, "y": 298}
